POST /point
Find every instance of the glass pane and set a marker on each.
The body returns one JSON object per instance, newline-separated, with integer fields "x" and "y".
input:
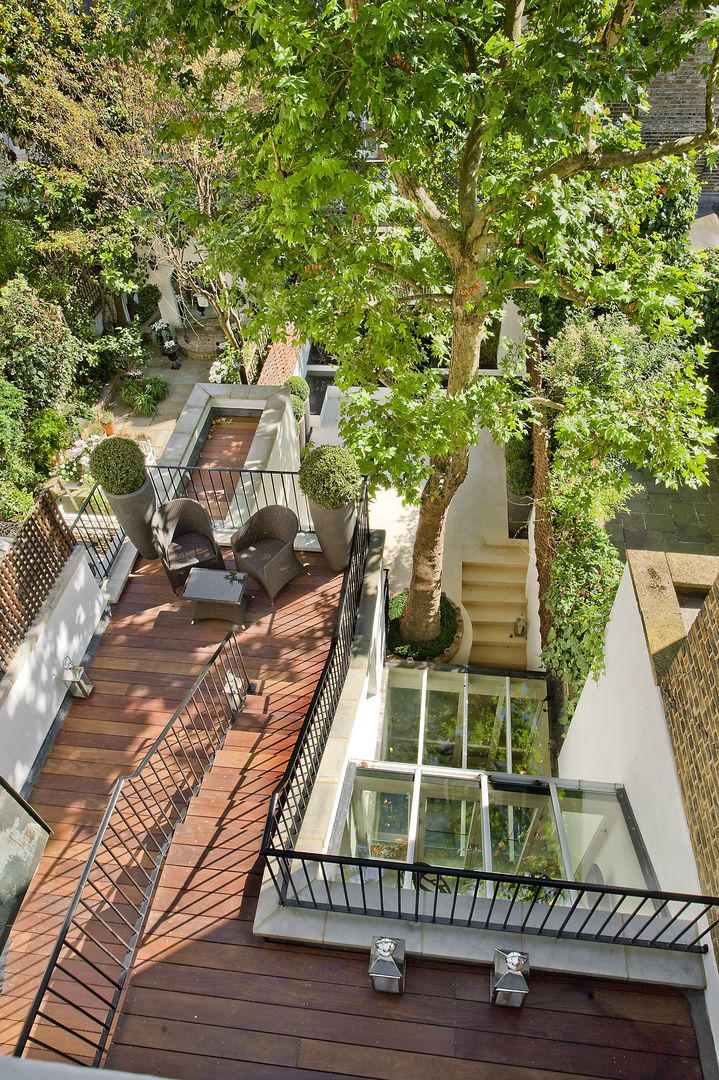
{"x": 487, "y": 723}
{"x": 400, "y": 736}
{"x": 523, "y": 831}
{"x": 377, "y": 823}
{"x": 530, "y": 731}
{"x": 600, "y": 846}
{"x": 444, "y": 720}
{"x": 449, "y": 830}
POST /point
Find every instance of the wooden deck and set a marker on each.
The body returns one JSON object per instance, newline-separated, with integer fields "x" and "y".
{"x": 207, "y": 1000}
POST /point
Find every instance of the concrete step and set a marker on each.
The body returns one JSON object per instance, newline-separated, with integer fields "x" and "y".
{"x": 507, "y": 593}
{"x": 512, "y": 552}
{"x": 500, "y": 631}
{"x": 513, "y": 656}
{"x": 490, "y": 608}
{"x": 495, "y": 572}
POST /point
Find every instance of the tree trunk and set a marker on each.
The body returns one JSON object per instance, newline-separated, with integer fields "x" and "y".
{"x": 420, "y": 617}
{"x": 544, "y": 545}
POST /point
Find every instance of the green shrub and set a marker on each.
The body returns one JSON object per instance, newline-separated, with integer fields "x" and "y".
{"x": 421, "y": 650}
{"x": 148, "y": 298}
{"x": 130, "y": 389}
{"x": 145, "y": 403}
{"x": 47, "y": 434}
{"x": 330, "y": 476}
{"x": 13, "y": 405}
{"x": 298, "y": 410}
{"x": 520, "y": 466}
{"x": 298, "y": 387}
{"x": 157, "y": 386}
{"x": 118, "y": 351}
{"x": 15, "y": 503}
{"x": 118, "y": 465}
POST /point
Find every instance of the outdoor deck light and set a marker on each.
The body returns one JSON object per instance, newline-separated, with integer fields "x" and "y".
{"x": 387, "y": 963}
{"x": 76, "y": 678}
{"x": 507, "y": 984}
{"x": 235, "y": 691}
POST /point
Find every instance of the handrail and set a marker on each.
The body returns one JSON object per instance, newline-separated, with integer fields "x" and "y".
{"x": 450, "y": 904}
{"x": 328, "y": 686}
{"x": 162, "y": 784}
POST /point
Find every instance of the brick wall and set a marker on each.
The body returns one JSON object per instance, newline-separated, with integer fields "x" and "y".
{"x": 281, "y": 359}
{"x": 690, "y": 690}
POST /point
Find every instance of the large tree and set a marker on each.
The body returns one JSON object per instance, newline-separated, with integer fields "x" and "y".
{"x": 503, "y": 167}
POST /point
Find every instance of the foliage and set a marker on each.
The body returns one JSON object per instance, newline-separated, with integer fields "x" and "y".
{"x": 298, "y": 387}
{"x": 298, "y": 409}
{"x": 118, "y": 350}
{"x": 620, "y": 400}
{"x": 118, "y": 465}
{"x": 12, "y": 436}
{"x": 37, "y": 350}
{"x": 423, "y": 650}
{"x": 229, "y": 367}
{"x": 330, "y": 476}
{"x": 15, "y": 503}
{"x": 520, "y": 471}
{"x": 74, "y": 464}
{"x": 148, "y": 297}
{"x": 48, "y": 433}
{"x": 144, "y": 393}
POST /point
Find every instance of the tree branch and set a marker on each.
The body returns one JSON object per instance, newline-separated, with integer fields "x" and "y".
{"x": 565, "y": 289}
{"x": 436, "y": 224}
{"x": 619, "y": 18}
{"x": 468, "y": 172}
{"x": 436, "y": 299}
{"x": 513, "y": 13}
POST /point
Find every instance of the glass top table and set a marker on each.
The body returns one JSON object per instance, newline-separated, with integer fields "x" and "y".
{"x": 218, "y": 594}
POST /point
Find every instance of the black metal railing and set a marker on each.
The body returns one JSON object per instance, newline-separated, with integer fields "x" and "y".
{"x": 97, "y": 528}
{"x": 289, "y": 799}
{"x": 230, "y": 497}
{"x": 543, "y": 907}
{"x": 73, "y": 1011}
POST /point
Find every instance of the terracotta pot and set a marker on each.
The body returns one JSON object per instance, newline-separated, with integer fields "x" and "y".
{"x": 109, "y": 429}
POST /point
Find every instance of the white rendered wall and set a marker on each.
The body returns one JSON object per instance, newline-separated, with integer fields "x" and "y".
{"x": 531, "y": 588}
{"x": 32, "y": 689}
{"x": 619, "y": 735}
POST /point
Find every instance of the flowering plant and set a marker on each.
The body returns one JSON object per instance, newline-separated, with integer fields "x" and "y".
{"x": 73, "y": 464}
{"x": 160, "y": 325}
{"x": 228, "y": 367}
{"x": 170, "y": 345}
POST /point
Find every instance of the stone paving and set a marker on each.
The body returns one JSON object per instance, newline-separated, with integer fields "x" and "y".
{"x": 659, "y": 519}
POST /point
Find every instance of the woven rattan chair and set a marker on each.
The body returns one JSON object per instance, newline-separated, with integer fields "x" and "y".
{"x": 264, "y": 548}
{"x": 183, "y": 538}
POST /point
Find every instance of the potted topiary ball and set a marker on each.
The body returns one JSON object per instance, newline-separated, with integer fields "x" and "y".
{"x": 330, "y": 478}
{"x": 300, "y": 388}
{"x": 118, "y": 465}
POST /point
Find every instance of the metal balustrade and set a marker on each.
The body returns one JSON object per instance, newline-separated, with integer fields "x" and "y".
{"x": 72, "y": 1014}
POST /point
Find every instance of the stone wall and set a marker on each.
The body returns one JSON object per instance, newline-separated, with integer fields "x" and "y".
{"x": 690, "y": 690}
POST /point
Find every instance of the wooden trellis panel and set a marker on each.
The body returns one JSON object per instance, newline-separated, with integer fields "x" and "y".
{"x": 28, "y": 572}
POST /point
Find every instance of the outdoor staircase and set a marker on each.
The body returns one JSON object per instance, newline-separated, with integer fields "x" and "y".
{"x": 494, "y": 597}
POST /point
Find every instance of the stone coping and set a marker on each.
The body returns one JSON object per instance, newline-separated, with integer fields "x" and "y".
{"x": 656, "y": 575}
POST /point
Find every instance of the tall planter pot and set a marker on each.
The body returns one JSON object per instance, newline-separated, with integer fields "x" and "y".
{"x": 334, "y": 530}
{"x": 134, "y": 512}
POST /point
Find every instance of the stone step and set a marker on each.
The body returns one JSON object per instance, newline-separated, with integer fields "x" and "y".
{"x": 494, "y": 631}
{"x": 495, "y": 572}
{"x": 513, "y": 552}
{"x": 503, "y": 598}
{"x": 513, "y": 656}
{"x": 495, "y": 612}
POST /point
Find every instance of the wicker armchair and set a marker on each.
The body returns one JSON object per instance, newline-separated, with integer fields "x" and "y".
{"x": 264, "y": 548}
{"x": 183, "y": 538}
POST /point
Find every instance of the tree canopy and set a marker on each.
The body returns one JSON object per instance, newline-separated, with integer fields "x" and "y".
{"x": 503, "y": 166}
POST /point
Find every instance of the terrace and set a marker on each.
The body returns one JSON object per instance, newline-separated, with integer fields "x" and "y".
{"x": 207, "y": 996}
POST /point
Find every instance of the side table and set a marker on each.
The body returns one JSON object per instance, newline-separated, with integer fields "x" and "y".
{"x": 218, "y": 594}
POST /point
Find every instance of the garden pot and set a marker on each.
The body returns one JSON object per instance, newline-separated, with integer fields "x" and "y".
{"x": 109, "y": 429}
{"x": 334, "y": 530}
{"x": 519, "y": 507}
{"x": 134, "y": 512}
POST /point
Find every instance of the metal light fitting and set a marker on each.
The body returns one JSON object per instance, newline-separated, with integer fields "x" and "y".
{"x": 235, "y": 691}
{"x": 76, "y": 678}
{"x": 387, "y": 964}
{"x": 507, "y": 984}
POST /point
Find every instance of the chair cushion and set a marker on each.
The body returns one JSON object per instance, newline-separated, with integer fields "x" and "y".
{"x": 261, "y": 551}
{"x": 189, "y": 550}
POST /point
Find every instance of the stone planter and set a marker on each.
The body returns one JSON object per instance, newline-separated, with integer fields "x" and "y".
{"x": 519, "y": 507}
{"x": 134, "y": 512}
{"x": 334, "y": 530}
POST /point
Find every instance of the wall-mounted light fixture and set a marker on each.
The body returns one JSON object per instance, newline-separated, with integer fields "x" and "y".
{"x": 76, "y": 678}
{"x": 507, "y": 984}
{"x": 387, "y": 963}
{"x": 520, "y": 626}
